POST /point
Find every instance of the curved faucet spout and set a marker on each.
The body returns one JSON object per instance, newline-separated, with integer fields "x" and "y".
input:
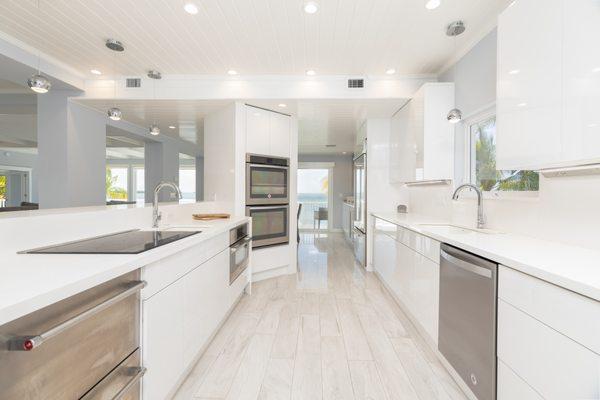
{"x": 480, "y": 215}
{"x": 156, "y": 216}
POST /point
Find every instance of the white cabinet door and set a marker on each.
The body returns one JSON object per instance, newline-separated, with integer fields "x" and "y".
{"x": 529, "y": 93}
{"x": 581, "y": 82}
{"x": 257, "y": 130}
{"x": 511, "y": 386}
{"x": 384, "y": 256}
{"x": 206, "y": 302}
{"x": 425, "y": 294}
{"x": 438, "y": 139}
{"x": 402, "y": 148}
{"x": 162, "y": 341}
{"x": 551, "y": 363}
{"x": 279, "y": 135}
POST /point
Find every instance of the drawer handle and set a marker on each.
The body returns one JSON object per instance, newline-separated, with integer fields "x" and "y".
{"x": 140, "y": 371}
{"x": 29, "y": 343}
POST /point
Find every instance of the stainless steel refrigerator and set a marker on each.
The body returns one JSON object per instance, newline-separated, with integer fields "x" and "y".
{"x": 359, "y": 230}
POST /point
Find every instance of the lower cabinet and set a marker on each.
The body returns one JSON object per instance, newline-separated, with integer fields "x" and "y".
{"x": 162, "y": 341}
{"x": 180, "y": 319}
{"x": 539, "y": 355}
{"x": 409, "y": 274}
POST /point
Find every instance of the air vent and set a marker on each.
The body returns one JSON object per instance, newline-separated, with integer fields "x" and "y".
{"x": 133, "y": 82}
{"x": 356, "y": 83}
{"x": 330, "y": 145}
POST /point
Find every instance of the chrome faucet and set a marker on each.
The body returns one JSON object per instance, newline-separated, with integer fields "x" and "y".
{"x": 480, "y": 216}
{"x": 156, "y": 216}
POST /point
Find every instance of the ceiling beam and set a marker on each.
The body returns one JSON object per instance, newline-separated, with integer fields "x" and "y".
{"x": 198, "y": 87}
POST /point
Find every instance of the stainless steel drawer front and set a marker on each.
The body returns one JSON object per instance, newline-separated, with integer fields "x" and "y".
{"x": 75, "y": 356}
{"x": 467, "y": 318}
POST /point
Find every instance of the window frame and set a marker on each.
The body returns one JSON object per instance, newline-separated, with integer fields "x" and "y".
{"x": 469, "y": 173}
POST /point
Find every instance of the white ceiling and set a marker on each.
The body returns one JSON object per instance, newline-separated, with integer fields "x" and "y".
{"x": 254, "y": 37}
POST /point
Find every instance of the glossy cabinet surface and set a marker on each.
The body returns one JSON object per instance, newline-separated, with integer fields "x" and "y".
{"x": 421, "y": 139}
{"x": 547, "y": 340}
{"x": 162, "y": 341}
{"x": 551, "y": 363}
{"x": 401, "y": 258}
{"x": 547, "y": 99}
{"x": 257, "y": 131}
{"x": 190, "y": 296}
{"x": 267, "y": 132}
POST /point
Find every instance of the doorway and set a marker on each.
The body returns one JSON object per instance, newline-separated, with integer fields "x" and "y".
{"x": 15, "y": 186}
{"x": 314, "y": 196}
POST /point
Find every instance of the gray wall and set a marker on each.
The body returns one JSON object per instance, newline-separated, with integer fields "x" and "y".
{"x": 474, "y": 76}
{"x": 342, "y": 182}
{"x": 71, "y": 152}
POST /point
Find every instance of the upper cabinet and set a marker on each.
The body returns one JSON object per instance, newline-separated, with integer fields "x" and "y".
{"x": 421, "y": 138}
{"x": 548, "y": 84}
{"x": 267, "y": 132}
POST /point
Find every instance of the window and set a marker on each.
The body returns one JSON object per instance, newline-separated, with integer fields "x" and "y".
{"x": 187, "y": 183}
{"x": 482, "y": 161}
{"x": 138, "y": 176}
{"x": 116, "y": 183}
{"x": 2, "y": 190}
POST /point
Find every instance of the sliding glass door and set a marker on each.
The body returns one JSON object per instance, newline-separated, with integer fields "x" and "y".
{"x": 313, "y": 197}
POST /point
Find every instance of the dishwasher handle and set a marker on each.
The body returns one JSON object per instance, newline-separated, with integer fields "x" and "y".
{"x": 483, "y": 268}
{"x": 29, "y": 343}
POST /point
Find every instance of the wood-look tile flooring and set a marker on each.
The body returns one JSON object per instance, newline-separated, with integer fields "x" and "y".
{"x": 328, "y": 332}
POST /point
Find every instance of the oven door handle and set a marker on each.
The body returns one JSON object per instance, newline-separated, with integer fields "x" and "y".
{"x": 268, "y": 166}
{"x": 285, "y": 206}
{"x": 233, "y": 249}
{"x": 29, "y": 343}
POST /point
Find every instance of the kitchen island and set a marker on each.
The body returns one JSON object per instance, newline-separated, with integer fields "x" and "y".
{"x": 187, "y": 290}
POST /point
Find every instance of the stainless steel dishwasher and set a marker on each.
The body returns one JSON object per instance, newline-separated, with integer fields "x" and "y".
{"x": 467, "y": 320}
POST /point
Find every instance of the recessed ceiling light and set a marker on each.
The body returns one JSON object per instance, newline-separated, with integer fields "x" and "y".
{"x": 95, "y": 72}
{"x": 597, "y": 69}
{"x": 282, "y": 105}
{"x": 191, "y": 8}
{"x": 172, "y": 126}
{"x": 432, "y": 4}
{"x": 390, "y": 71}
{"x": 310, "y": 72}
{"x": 311, "y": 7}
{"x": 232, "y": 72}
{"x": 344, "y": 152}
{"x": 514, "y": 71}
{"x": 521, "y": 104}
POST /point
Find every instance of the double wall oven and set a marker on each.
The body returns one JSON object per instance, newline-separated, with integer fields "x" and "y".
{"x": 267, "y": 199}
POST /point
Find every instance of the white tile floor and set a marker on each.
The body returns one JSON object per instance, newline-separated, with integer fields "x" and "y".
{"x": 328, "y": 332}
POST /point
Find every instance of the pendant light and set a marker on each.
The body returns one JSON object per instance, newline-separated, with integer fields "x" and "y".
{"x": 453, "y": 30}
{"x": 114, "y": 112}
{"x": 38, "y": 82}
{"x": 155, "y": 75}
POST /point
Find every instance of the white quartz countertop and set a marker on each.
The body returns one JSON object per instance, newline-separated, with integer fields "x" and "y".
{"x": 29, "y": 282}
{"x": 571, "y": 267}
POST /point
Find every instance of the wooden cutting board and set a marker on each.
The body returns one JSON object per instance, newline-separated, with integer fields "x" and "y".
{"x": 209, "y": 217}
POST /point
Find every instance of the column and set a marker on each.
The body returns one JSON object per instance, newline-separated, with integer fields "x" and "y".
{"x": 71, "y": 152}
{"x": 161, "y": 163}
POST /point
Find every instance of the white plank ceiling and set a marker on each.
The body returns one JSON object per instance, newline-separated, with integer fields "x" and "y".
{"x": 354, "y": 37}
